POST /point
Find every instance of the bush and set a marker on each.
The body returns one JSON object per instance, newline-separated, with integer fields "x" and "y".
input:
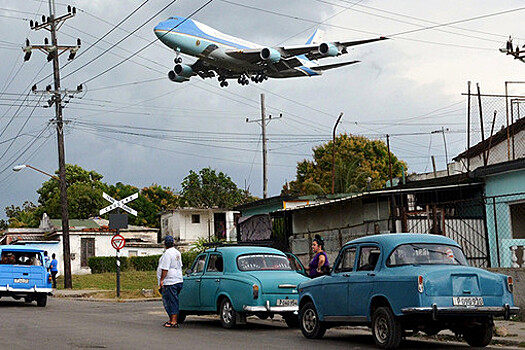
{"x": 144, "y": 263}
{"x": 101, "y": 264}
{"x": 187, "y": 259}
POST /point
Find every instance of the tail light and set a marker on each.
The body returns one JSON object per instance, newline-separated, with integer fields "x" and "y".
{"x": 255, "y": 291}
{"x": 49, "y": 279}
{"x": 510, "y": 284}
{"x": 420, "y": 284}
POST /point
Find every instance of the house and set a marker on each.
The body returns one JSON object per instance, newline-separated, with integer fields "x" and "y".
{"x": 187, "y": 225}
{"x": 87, "y": 238}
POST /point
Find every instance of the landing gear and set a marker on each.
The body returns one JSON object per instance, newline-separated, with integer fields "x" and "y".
{"x": 178, "y": 59}
{"x": 222, "y": 81}
{"x": 259, "y": 77}
{"x": 243, "y": 80}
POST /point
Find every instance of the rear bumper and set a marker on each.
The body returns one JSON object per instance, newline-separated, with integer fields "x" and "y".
{"x": 268, "y": 308}
{"x": 8, "y": 289}
{"x": 436, "y": 311}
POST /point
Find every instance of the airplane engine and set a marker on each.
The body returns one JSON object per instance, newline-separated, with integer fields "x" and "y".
{"x": 269, "y": 54}
{"x": 183, "y": 70}
{"x": 176, "y": 78}
{"x": 328, "y": 49}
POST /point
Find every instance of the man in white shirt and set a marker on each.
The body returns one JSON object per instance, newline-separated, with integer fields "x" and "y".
{"x": 169, "y": 275}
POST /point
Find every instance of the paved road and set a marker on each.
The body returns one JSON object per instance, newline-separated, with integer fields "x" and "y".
{"x": 71, "y": 324}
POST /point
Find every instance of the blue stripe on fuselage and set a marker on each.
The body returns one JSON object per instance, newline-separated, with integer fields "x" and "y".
{"x": 307, "y": 70}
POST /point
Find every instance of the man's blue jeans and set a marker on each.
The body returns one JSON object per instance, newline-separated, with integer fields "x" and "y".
{"x": 170, "y": 298}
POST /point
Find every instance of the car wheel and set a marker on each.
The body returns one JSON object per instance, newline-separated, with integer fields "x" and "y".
{"x": 227, "y": 314}
{"x": 386, "y": 329}
{"x": 292, "y": 320}
{"x": 42, "y": 300}
{"x": 181, "y": 316}
{"x": 479, "y": 336}
{"x": 309, "y": 322}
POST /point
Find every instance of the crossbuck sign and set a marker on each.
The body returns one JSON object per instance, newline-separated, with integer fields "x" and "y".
{"x": 119, "y": 204}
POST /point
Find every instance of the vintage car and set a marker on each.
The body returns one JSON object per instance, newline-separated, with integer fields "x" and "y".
{"x": 237, "y": 281}
{"x": 23, "y": 275}
{"x": 400, "y": 284}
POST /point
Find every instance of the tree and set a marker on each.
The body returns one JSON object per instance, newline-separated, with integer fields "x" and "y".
{"x": 22, "y": 217}
{"x": 209, "y": 189}
{"x": 360, "y": 163}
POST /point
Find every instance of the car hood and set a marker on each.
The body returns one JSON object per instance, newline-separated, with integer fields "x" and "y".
{"x": 278, "y": 282}
{"x": 462, "y": 281}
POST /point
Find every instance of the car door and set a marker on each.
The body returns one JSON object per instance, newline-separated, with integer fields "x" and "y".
{"x": 210, "y": 281}
{"x": 190, "y": 294}
{"x": 362, "y": 280}
{"x": 334, "y": 300}
{"x": 296, "y": 264}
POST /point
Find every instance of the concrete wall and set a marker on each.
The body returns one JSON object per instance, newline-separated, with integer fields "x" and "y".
{"x": 518, "y": 277}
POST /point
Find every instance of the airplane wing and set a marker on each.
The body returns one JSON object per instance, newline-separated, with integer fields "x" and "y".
{"x": 335, "y": 65}
{"x": 311, "y": 51}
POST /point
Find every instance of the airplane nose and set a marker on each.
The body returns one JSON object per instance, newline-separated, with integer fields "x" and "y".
{"x": 158, "y": 28}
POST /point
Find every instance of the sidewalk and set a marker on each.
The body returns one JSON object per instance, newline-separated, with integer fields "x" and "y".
{"x": 89, "y": 295}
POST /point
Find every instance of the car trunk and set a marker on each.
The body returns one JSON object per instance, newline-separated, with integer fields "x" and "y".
{"x": 462, "y": 281}
{"x": 278, "y": 283}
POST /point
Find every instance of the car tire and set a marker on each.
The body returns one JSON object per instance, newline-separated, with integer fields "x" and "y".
{"x": 479, "y": 336}
{"x": 292, "y": 320}
{"x": 181, "y": 316}
{"x": 41, "y": 300}
{"x": 386, "y": 328}
{"x": 309, "y": 322}
{"x": 227, "y": 314}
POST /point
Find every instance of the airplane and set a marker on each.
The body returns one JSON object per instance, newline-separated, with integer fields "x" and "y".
{"x": 228, "y": 57}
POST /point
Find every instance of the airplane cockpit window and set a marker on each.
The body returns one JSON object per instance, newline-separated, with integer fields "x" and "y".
{"x": 175, "y": 18}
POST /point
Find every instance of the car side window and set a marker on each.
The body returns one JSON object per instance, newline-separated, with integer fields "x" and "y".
{"x": 198, "y": 266}
{"x": 215, "y": 263}
{"x": 368, "y": 258}
{"x": 346, "y": 263}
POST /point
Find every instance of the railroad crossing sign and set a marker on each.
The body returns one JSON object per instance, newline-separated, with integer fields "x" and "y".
{"x": 119, "y": 204}
{"x": 118, "y": 242}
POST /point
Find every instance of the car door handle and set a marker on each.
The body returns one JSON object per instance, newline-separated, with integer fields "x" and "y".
{"x": 197, "y": 280}
{"x": 217, "y": 280}
{"x": 371, "y": 274}
{"x": 346, "y": 275}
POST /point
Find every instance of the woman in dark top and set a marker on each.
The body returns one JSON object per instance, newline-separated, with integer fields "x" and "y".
{"x": 320, "y": 259}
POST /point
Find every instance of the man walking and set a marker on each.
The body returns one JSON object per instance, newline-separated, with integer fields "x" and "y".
{"x": 169, "y": 275}
{"x": 53, "y": 267}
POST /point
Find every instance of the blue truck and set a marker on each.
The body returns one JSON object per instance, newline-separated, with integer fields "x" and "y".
{"x": 23, "y": 274}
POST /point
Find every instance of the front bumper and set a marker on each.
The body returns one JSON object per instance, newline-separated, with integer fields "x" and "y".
{"x": 34, "y": 289}
{"x": 268, "y": 308}
{"x": 505, "y": 310}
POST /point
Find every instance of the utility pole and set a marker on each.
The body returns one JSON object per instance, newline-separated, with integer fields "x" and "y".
{"x": 53, "y": 51}
{"x": 262, "y": 122}
{"x": 333, "y": 152}
{"x": 442, "y": 131}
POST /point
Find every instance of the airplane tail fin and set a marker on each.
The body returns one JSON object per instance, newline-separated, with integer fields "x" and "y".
{"x": 316, "y": 38}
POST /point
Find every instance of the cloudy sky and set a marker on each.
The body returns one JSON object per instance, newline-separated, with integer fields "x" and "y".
{"x": 133, "y": 125}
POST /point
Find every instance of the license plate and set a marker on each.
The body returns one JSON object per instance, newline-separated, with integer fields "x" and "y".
{"x": 467, "y": 301}
{"x": 286, "y": 302}
{"x": 21, "y": 280}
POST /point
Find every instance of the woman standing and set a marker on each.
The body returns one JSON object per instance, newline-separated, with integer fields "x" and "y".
{"x": 320, "y": 259}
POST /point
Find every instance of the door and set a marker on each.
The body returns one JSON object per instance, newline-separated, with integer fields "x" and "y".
{"x": 210, "y": 282}
{"x": 87, "y": 250}
{"x": 219, "y": 223}
{"x": 336, "y": 285}
{"x": 362, "y": 280}
{"x": 189, "y": 297}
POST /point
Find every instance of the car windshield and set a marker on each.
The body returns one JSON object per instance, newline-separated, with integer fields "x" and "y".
{"x": 263, "y": 262}
{"x": 426, "y": 254}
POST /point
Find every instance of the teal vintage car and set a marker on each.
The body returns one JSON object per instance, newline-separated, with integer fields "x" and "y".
{"x": 400, "y": 284}
{"x": 237, "y": 281}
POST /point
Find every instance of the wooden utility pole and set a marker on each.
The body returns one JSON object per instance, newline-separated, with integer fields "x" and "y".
{"x": 333, "y": 152}
{"x": 53, "y": 51}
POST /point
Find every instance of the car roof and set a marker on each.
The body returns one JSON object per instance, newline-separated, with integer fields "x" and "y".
{"x": 234, "y": 250}
{"x": 392, "y": 240}
{"x": 20, "y": 248}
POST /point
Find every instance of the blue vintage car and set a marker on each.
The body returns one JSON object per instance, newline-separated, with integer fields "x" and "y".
{"x": 400, "y": 284}
{"x": 23, "y": 275}
{"x": 237, "y": 281}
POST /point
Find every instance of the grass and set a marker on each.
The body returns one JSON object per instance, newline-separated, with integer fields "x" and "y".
{"x": 131, "y": 282}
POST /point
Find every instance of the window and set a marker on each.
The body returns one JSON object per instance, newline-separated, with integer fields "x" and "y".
{"x": 260, "y": 262}
{"x": 426, "y": 254}
{"x": 87, "y": 250}
{"x": 215, "y": 263}
{"x": 368, "y": 258}
{"x": 517, "y": 217}
{"x": 133, "y": 253}
{"x": 195, "y": 219}
{"x": 346, "y": 263}
{"x": 198, "y": 266}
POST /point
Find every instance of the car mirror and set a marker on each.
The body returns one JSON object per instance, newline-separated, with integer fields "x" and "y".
{"x": 189, "y": 272}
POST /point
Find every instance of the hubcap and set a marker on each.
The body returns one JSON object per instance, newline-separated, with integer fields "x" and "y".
{"x": 226, "y": 313}
{"x": 309, "y": 320}
{"x": 381, "y": 329}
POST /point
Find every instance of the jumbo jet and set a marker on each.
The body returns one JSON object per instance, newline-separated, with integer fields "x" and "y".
{"x": 228, "y": 57}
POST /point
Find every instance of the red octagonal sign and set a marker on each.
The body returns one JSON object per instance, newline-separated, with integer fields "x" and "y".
{"x": 118, "y": 242}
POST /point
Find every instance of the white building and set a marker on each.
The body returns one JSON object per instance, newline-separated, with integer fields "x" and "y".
{"x": 187, "y": 225}
{"x": 87, "y": 238}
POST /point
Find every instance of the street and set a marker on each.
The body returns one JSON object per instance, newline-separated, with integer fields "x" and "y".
{"x": 72, "y": 324}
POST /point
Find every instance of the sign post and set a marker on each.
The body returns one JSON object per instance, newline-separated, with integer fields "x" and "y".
{"x": 117, "y": 222}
